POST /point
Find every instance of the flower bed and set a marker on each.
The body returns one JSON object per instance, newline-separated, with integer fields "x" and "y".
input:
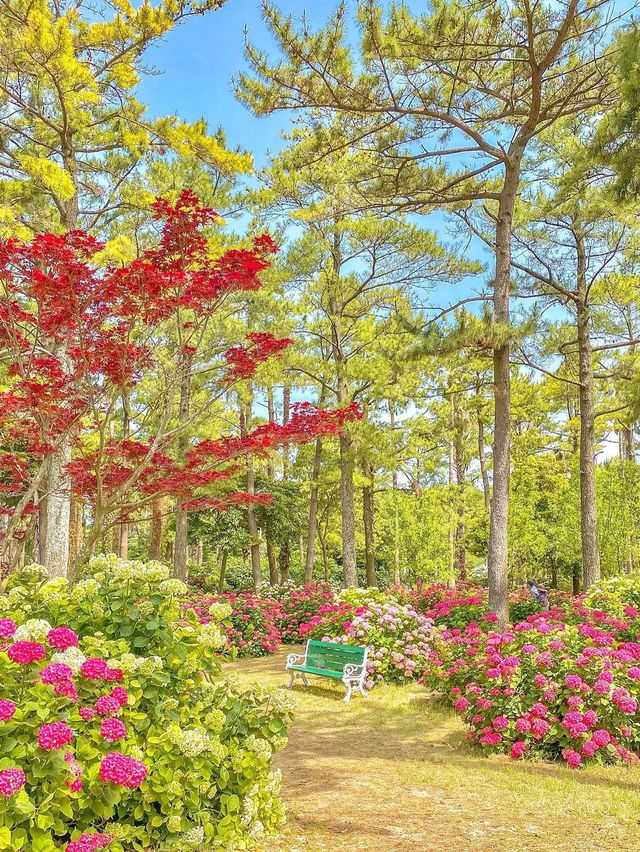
{"x": 397, "y": 637}
{"x": 250, "y": 623}
{"x": 297, "y": 605}
{"x": 555, "y": 685}
{"x": 207, "y": 744}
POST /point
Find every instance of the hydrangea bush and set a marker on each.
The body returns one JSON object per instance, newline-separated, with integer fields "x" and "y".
{"x": 297, "y": 605}
{"x": 207, "y": 743}
{"x": 250, "y": 625}
{"x": 557, "y": 685}
{"x": 396, "y": 635}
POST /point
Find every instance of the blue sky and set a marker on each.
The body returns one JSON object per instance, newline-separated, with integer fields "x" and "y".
{"x": 197, "y": 61}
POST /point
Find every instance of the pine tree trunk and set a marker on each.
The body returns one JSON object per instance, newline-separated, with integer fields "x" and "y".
{"x": 75, "y": 533}
{"x": 460, "y": 554}
{"x": 181, "y": 543}
{"x": 368, "y": 516}
{"x": 498, "y": 554}
{"x": 347, "y": 502}
{"x": 55, "y": 555}
{"x": 223, "y": 571}
{"x": 158, "y": 527}
{"x": 313, "y": 512}
{"x": 254, "y": 532}
{"x": 482, "y": 460}
{"x": 397, "y": 573}
{"x": 588, "y": 509}
{"x": 273, "y": 563}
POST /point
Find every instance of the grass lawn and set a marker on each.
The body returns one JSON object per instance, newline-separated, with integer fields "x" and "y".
{"x": 395, "y": 772}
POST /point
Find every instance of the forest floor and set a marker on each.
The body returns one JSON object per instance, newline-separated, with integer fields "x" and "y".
{"x": 395, "y": 772}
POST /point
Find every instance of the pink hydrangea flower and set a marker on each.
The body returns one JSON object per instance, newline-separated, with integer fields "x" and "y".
{"x": 573, "y": 681}
{"x": 492, "y": 738}
{"x": 518, "y": 749}
{"x": 7, "y": 709}
{"x": 94, "y": 668}
{"x": 12, "y": 780}
{"x": 25, "y": 653}
{"x": 572, "y": 757}
{"x": 62, "y": 638}
{"x": 107, "y": 705}
{"x": 461, "y": 704}
{"x": 88, "y": 842}
{"x": 112, "y": 730}
{"x": 501, "y": 723}
{"x": 54, "y": 735}
{"x": 122, "y": 769}
{"x": 87, "y": 713}
{"x": 55, "y": 672}
{"x": 7, "y": 628}
{"x": 120, "y": 694}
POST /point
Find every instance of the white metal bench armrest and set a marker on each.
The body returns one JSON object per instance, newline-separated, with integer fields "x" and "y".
{"x": 296, "y": 659}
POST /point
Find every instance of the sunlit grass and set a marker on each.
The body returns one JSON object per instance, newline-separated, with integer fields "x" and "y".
{"x": 396, "y": 772}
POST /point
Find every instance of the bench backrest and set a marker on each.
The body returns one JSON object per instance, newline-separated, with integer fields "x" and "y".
{"x": 332, "y": 656}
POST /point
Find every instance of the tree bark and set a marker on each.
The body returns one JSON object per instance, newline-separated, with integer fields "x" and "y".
{"x": 75, "y": 531}
{"x": 588, "y": 509}
{"x": 181, "y": 544}
{"x": 158, "y": 527}
{"x": 55, "y": 556}
{"x": 254, "y": 533}
{"x": 284, "y": 561}
{"x": 223, "y": 571}
{"x": 482, "y": 460}
{"x": 397, "y": 573}
{"x": 368, "y": 517}
{"x": 460, "y": 554}
{"x": 498, "y": 555}
{"x": 273, "y": 563}
{"x": 313, "y": 512}
{"x": 347, "y": 502}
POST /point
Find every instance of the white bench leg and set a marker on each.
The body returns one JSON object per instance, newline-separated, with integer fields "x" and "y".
{"x": 291, "y": 680}
{"x": 347, "y": 697}
{"x": 304, "y": 679}
{"x": 363, "y": 692}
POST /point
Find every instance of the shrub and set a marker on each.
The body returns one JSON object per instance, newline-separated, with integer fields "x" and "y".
{"x": 207, "y": 743}
{"x": 397, "y": 637}
{"x": 251, "y": 625}
{"x": 547, "y": 687}
{"x": 617, "y": 595}
{"x": 297, "y": 605}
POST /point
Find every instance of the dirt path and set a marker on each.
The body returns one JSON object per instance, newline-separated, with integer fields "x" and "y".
{"x": 396, "y": 773}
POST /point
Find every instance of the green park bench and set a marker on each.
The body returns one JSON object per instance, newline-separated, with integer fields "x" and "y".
{"x": 347, "y": 663}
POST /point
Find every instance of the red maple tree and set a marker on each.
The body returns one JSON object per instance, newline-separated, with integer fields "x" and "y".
{"x": 76, "y": 339}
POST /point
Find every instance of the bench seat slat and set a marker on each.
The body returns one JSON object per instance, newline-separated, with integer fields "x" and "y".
{"x": 319, "y": 671}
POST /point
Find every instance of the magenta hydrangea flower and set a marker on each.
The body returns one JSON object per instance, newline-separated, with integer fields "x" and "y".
{"x": 7, "y": 709}
{"x": 122, "y": 769}
{"x": 55, "y": 672}
{"x": 54, "y": 735}
{"x": 67, "y": 689}
{"x": 87, "y": 713}
{"x": 107, "y": 705}
{"x": 62, "y": 638}
{"x": 120, "y": 694}
{"x": 462, "y": 703}
{"x": 518, "y": 749}
{"x": 12, "y": 780}
{"x": 25, "y": 653}
{"x": 572, "y": 757}
{"x": 112, "y": 730}
{"x": 95, "y": 668}
{"x": 88, "y": 842}
{"x": 7, "y": 628}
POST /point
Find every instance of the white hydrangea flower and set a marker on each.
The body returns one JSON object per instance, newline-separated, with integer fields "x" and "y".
{"x": 173, "y": 586}
{"x": 33, "y": 630}
{"x": 210, "y": 636}
{"x": 220, "y": 610}
{"x": 72, "y": 657}
{"x": 194, "y": 837}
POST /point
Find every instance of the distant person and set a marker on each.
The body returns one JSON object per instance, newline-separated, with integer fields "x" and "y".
{"x": 539, "y": 594}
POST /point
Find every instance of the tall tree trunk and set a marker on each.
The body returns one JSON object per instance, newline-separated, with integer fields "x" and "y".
{"x": 271, "y": 550}
{"x": 181, "y": 544}
{"x": 223, "y": 571}
{"x": 55, "y": 553}
{"x": 312, "y": 526}
{"x": 498, "y": 554}
{"x": 368, "y": 517}
{"x": 347, "y": 502}
{"x": 75, "y": 532}
{"x": 273, "y": 562}
{"x": 588, "y": 510}
{"x": 397, "y": 573}
{"x": 482, "y": 460}
{"x": 254, "y": 532}
{"x": 158, "y": 527}
{"x": 460, "y": 553}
